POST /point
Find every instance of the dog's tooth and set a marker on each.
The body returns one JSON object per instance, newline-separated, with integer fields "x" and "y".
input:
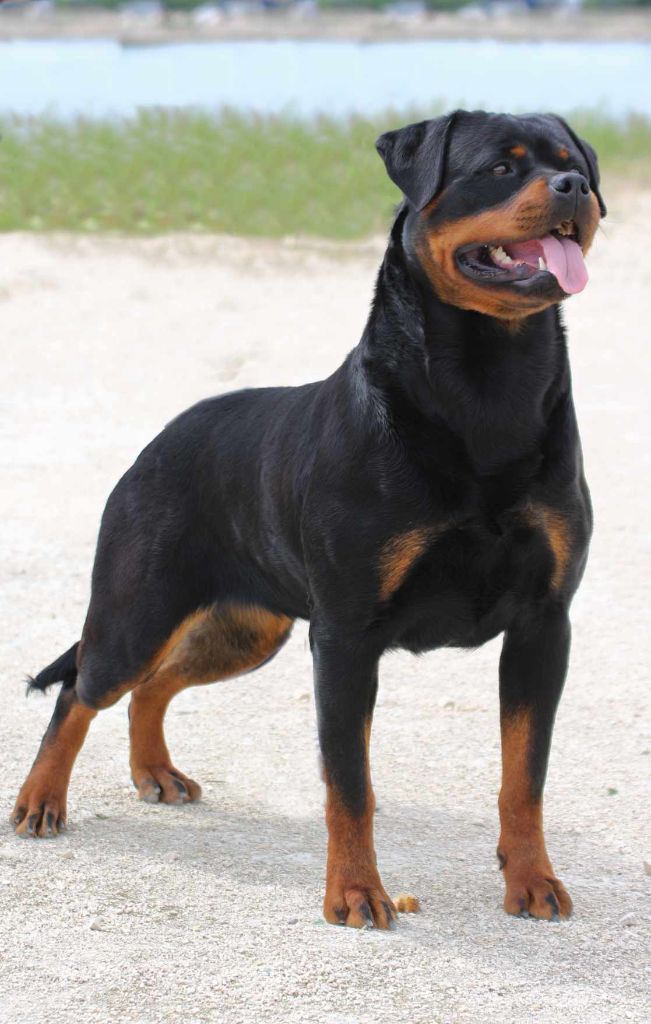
{"x": 541, "y": 264}
{"x": 500, "y": 255}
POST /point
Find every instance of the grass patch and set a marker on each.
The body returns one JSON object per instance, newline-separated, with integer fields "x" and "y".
{"x": 243, "y": 174}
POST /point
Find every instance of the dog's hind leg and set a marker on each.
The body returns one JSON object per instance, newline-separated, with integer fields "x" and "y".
{"x": 215, "y": 643}
{"x": 40, "y": 809}
{"x": 152, "y": 771}
{"x": 218, "y": 643}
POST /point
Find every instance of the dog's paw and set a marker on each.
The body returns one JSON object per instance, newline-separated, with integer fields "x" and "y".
{"x": 534, "y": 894}
{"x": 362, "y": 904}
{"x": 164, "y": 784}
{"x": 40, "y": 810}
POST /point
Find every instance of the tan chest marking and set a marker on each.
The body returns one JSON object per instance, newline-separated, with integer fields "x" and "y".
{"x": 399, "y": 554}
{"x": 556, "y": 530}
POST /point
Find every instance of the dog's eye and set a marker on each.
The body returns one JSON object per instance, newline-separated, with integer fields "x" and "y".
{"x": 502, "y": 168}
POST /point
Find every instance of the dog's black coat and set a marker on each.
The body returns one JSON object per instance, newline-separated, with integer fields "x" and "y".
{"x": 442, "y": 419}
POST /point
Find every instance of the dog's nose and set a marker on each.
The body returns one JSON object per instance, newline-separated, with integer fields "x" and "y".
{"x": 570, "y": 183}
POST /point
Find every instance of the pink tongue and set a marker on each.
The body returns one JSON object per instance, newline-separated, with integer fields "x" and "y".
{"x": 563, "y": 257}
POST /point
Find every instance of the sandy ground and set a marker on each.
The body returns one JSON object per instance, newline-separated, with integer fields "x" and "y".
{"x": 211, "y": 913}
{"x": 36, "y": 21}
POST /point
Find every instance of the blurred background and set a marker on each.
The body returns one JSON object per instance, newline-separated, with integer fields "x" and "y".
{"x": 259, "y": 117}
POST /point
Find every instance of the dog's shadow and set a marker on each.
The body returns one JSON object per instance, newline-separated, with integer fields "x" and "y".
{"x": 446, "y": 859}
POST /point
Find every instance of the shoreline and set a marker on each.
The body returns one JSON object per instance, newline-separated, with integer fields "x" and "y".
{"x": 33, "y": 23}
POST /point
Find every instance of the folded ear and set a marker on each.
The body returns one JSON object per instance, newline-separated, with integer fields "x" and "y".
{"x": 590, "y": 157}
{"x": 415, "y": 157}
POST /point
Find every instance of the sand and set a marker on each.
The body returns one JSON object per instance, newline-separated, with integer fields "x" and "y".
{"x": 211, "y": 913}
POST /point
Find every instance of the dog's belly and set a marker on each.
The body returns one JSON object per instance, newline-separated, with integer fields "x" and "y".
{"x": 468, "y": 587}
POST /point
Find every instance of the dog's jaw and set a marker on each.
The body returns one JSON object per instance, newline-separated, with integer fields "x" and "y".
{"x": 508, "y": 291}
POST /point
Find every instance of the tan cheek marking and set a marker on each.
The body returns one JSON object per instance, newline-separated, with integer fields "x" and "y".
{"x": 433, "y": 204}
{"x": 523, "y": 216}
{"x": 590, "y": 228}
{"x": 397, "y": 557}
{"x": 519, "y": 216}
{"x": 556, "y": 529}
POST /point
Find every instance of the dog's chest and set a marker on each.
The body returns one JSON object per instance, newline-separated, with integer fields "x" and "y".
{"x": 465, "y": 582}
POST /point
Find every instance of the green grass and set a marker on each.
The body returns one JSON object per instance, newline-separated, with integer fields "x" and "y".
{"x": 169, "y": 171}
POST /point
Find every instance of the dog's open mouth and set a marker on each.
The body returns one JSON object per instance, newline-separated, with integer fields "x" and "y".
{"x": 558, "y": 254}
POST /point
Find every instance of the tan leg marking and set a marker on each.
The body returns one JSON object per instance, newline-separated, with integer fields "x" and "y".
{"x": 214, "y": 644}
{"x": 222, "y": 642}
{"x": 531, "y": 886}
{"x": 152, "y": 771}
{"x": 208, "y": 645}
{"x": 41, "y": 806}
{"x": 152, "y": 667}
{"x": 354, "y": 895}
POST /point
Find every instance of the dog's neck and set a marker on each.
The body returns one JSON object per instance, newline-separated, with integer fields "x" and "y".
{"x": 491, "y": 386}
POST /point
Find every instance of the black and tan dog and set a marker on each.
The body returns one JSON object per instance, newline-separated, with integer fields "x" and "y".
{"x": 430, "y": 492}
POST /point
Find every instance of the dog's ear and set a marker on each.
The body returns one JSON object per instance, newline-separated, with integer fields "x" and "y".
{"x": 590, "y": 157}
{"x": 415, "y": 157}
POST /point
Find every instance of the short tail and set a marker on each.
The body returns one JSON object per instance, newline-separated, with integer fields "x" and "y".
{"x": 63, "y": 670}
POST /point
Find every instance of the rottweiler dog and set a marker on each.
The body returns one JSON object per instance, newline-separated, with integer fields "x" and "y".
{"x": 429, "y": 493}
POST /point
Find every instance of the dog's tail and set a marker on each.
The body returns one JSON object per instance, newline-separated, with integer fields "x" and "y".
{"x": 63, "y": 670}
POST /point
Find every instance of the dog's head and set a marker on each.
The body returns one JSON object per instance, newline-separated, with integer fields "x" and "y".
{"x": 501, "y": 209}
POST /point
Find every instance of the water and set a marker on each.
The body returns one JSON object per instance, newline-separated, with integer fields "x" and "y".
{"x": 104, "y": 78}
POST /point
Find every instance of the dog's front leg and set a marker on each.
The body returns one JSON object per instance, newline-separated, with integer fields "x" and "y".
{"x": 532, "y": 672}
{"x": 345, "y": 673}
